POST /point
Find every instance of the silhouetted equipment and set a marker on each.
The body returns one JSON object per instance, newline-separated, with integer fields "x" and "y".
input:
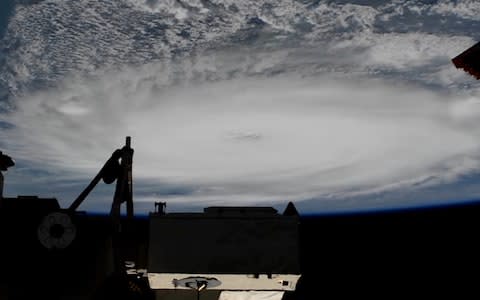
{"x": 244, "y": 248}
{"x": 40, "y": 224}
{"x": 290, "y": 210}
{"x": 469, "y": 60}
{"x": 160, "y": 208}
{"x": 221, "y": 249}
{"x": 118, "y": 167}
{"x": 5, "y": 162}
{"x": 56, "y": 231}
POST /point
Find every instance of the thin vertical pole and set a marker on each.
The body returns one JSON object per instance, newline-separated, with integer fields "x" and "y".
{"x": 1, "y": 189}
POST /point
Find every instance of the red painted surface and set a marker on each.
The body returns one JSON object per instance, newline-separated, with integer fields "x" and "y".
{"x": 469, "y": 61}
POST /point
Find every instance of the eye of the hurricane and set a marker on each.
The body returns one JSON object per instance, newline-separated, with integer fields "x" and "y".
{"x": 244, "y": 136}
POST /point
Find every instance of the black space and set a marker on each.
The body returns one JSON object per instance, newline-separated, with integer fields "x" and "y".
{"x": 428, "y": 251}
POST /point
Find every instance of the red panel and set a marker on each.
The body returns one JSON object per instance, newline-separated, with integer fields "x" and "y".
{"x": 469, "y": 61}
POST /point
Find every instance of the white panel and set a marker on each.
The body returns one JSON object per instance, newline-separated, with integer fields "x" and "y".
{"x": 251, "y": 295}
{"x": 280, "y": 282}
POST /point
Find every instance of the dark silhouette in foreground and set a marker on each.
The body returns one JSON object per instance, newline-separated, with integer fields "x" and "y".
{"x": 469, "y": 60}
{"x": 47, "y": 252}
{"x": 69, "y": 254}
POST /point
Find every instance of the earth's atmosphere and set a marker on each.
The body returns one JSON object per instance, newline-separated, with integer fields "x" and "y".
{"x": 334, "y": 105}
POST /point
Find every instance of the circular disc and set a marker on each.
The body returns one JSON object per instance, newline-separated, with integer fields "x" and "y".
{"x": 56, "y": 231}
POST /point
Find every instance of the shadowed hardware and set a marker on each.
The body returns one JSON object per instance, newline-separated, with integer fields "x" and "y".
{"x": 100, "y": 257}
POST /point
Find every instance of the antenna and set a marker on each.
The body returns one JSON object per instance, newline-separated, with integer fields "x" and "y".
{"x": 160, "y": 207}
{"x": 124, "y": 188}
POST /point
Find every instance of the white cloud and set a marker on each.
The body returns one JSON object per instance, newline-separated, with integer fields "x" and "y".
{"x": 251, "y": 140}
{"x": 172, "y": 7}
{"x": 468, "y": 9}
{"x": 402, "y": 51}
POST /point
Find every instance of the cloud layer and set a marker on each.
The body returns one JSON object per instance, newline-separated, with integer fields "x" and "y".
{"x": 252, "y": 140}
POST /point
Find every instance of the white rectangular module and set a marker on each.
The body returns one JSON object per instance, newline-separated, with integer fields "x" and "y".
{"x": 286, "y": 282}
